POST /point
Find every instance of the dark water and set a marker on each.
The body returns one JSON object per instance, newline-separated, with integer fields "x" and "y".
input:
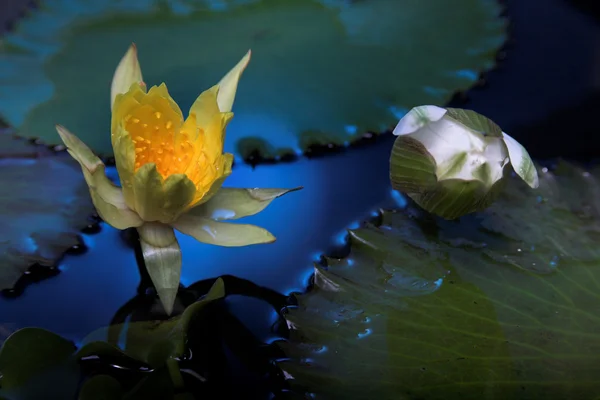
{"x": 545, "y": 89}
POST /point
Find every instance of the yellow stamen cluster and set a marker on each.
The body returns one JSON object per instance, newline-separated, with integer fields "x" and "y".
{"x": 155, "y": 141}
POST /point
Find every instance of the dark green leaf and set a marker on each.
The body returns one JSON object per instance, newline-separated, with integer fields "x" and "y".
{"x": 30, "y": 351}
{"x": 498, "y": 305}
{"x": 376, "y": 58}
{"x": 101, "y": 387}
{"x": 110, "y": 352}
{"x": 157, "y": 385}
{"x": 475, "y": 121}
{"x": 38, "y": 229}
{"x": 154, "y": 342}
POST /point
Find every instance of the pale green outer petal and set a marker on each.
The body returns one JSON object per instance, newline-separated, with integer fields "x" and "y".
{"x": 106, "y": 196}
{"x": 521, "y": 162}
{"x": 474, "y": 121}
{"x": 79, "y": 150}
{"x": 228, "y": 84}
{"x": 124, "y": 151}
{"x": 417, "y": 118}
{"x": 206, "y": 230}
{"x": 412, "y": 168}
{"x": 127, "y": 73}
{"x": 234, "y": 203}
{"x": 158, "y": 200}
{"x": 162, "y": 257}
{"x": 453, "y": 198}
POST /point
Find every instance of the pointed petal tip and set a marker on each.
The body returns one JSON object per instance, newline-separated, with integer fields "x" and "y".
{"x": 297, "y": 188}
{"x": 128, "y": 72}
{"x": 63, "y": 132}
{"x": 167, "y": 298}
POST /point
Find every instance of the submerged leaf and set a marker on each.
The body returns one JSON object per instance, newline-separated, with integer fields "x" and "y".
{"x": 385, "y": 48}
{"x": 101, "y": 387}
{"x": 38, "y": 229}
{"x": 29, "y": 352}
{"x": 155, "y": 342}
{"x": 502, "y": 304}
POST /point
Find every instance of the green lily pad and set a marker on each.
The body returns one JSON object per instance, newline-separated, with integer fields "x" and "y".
{"x": 360, "y": 66}
{"x": 44, "y": 204}
{"x": 28, "y": 352}
{"x": 502, "y": 304}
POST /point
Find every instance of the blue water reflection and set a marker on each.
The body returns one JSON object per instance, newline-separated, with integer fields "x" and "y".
{"x": 339, "y": 191}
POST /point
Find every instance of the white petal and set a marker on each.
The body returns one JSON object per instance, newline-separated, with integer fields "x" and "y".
{"x": 417, "y": 118}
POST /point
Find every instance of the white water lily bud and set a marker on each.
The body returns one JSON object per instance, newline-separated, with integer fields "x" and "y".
{"x": 451, "y": 162}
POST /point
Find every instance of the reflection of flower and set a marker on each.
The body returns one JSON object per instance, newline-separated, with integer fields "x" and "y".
{"x": 171, "y": 171}
{"x": 451, "y": 161}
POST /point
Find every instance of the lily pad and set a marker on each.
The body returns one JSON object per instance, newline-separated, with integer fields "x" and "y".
{"x": 28, "y": 352}
{"x": 502, "y": 304}
{"x": 32, "y": 360}
{"x": 358, "y": 68}
{"x": 44, "y": 204}
{"x": 30, "y": 355}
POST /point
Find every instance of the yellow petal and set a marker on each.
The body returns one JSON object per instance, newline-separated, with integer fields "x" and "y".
{"x": 160, "y": 93}
{"x": 127, "y": 73}
{"x": 214, "y": 135}
{"x": 106, "y": 196}
{"x": 225, "y": 164}
{"x": 206, "y": 230}
{"x": 205, "y": 107}
{"x": 123, "y": 106}
{"x": 228, "y": 85}
{"x": 162, "y": 257}
{"x": 156, "y": 200}
{"x": 234, "y": 203}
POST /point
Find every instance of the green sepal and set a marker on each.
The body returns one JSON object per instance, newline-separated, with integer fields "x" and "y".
{"x": 412, "y": 168}
{"x": 162, "y": 257}
{"x": 208, "y": 231}
{"x": 161, "y": 200}
{"x": 107, "y": 197}
{"x": 521, "y": 161}
{"x": 474, "y": 121}
{"x": 235, "y": 203}
{"x": 453, "y": 198}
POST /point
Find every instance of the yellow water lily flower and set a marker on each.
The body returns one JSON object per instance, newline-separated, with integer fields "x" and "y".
{"x": 171, "y": 170}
